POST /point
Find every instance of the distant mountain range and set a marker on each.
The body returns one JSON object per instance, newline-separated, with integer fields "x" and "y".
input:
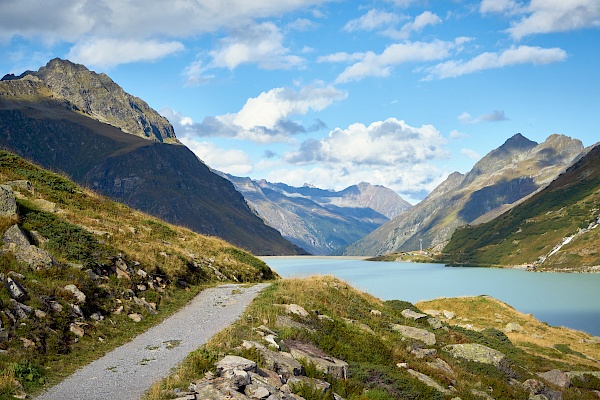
{"x": 321, "y": 221}
{"x": 557, "y": 228}
{"x": 499, "y": 181}
{"x": 72, "y": 120}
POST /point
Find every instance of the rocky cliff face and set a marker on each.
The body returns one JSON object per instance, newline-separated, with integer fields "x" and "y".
{"x": 321, "y": 221}
{"x": 64, "y": 132}
{"x": 501, "y": 179}
{"x": 99, "y": 97}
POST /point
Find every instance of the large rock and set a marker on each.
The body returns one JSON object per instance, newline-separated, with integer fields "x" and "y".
{"x": 78, "y": 294}
{"x": 415, "y": 333}
{"x": 481, "y": 354}
{"x": 556, "y": 377}
{"x": 279, "y": 361}
{"x": 429, "y": 382}
{"x": 235, "y": 362}
{"x": 410, "y": 314}
{"x": 8, "y": 202}
{"x": 329, "y": 365}
{"x": 15, "y": 235}
{"x": 15, "y": 290}
{"x": 32, "y": 255}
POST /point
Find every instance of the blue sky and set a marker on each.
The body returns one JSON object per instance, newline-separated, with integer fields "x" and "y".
{"x": 331, "y": 93}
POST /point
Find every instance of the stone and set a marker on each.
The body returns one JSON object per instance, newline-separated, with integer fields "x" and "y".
{"x": 271, "y": 340}
{"x": 260, "y": 392}
{"x": 513, "y": 327}
{"x": 433, "y": 313}
{"x": 296, "y": 309}
{"x": 77, "y": 330}
{"x": 122, "y": 274}
{"x": 415, "y": 333}
{"x": 27, "y": 343}
{"x": 21, "y": 184}
{"x": 338, "y": 369}
{"x": 481, "y": 354}
{"x": 40, "y": 314}
{"x": 97, "y": 316}
{"x": 15, "y": 290}
{"x": 135, "y": 317}
{"x": 143, "y": 274}
{"x": 435, "y": 323}
{"x": 35, "y": 257}
{"x": 441, "y": 366}
{"x": 429, "y": 382}
{"x": 8, "y": 202}
{"x": 281, "y": 362}
{"x": 534, "y": 386}
{"x": 144, "y": 304}
{"x": 410, "y": 314}
{"x": 556, "y": 377}
{"x": 448, "y": 314}
{"x": 76, "y": 310}
{"x": 317, "y": 384}
{"x": 236, "y": 378}
{"x": 481, "y": 394}
{"x": 235, "y": 362}
{"x": 377, "y": 313}
{"x": 14, "y": 234}
{"x": 45, "y": 205}
{"x": 21, "y": 310}
{"x": 78, "y": 294}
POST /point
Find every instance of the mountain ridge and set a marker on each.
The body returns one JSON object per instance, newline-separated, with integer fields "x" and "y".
{"x": 515, "y": 170}
{"x": 44, "y": 126}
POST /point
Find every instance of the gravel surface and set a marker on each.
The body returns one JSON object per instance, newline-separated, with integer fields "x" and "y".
{"x": 128, "y": 371}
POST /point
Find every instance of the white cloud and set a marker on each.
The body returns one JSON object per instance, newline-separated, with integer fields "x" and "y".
{"x": 111, "y": 52}
{"x": 380, "y": 65}
{"x": 255, "y": 43}
{"x": 231, "y": 161}
{"x": 420, "y": 22}
{"x": 391, "y": 142}
{"x": 372, "y": 20}
{"x": 458, "y": 135}
{"x": 77, "y": 21}
{"x": 265, "y": 118}
{"x": 341, "y": 57}
{"x": 546, "y": 16}
{"x": 489, "y": 60}
{"x": 472, "y": 154}
{"x": 195, "y": 74}
{"x": 501, "y": 6}
{"x": 494, "y": 116}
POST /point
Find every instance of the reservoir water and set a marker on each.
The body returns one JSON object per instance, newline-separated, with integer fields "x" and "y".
{"x": 559, "y": 299}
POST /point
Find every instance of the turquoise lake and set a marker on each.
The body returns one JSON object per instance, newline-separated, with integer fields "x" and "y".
{"x": 559, "y": 299}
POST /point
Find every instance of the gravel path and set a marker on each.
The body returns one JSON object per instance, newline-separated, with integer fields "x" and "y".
{"x": 128, "y": 371}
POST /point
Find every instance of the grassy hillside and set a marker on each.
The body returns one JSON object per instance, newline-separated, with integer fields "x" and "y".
{"x": 126, "y": 263}
{"x": 530, "y": 233}
{"x": 383, "y": 363}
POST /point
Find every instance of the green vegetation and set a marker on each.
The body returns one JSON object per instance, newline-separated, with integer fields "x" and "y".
{"x": 372, "y": 349}
{"x": 113, "y": 255}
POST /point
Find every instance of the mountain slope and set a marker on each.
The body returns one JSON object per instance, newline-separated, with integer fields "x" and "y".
{"x": 320, "y": 221}
{"x": 502, "y": 178}
{"x": 557, "y": 228}
{"x": 166, "y": 180}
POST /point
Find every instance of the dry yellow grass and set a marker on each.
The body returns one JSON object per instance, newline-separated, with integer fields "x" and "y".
{"x": 535, "y": 337}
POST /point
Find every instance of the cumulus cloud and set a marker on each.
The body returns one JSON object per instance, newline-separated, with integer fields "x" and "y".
{"x": 546, "y": 16}
{"x": 458, "y": 135}
{"x": 391, "y": 143}
{"x": 491, "y": 60}
{"x": 494, "y": 116}
{"x": 380, "y": 65}
{"x": 265, "y": 118}
{"x": 419, "y": 23}
{"x": 372, "y": 20}
{"x": 508, "y": 7}
{"x": 231, "y": 161}
{"x": 111, "y": 52}
{"x": 254, "y": 43}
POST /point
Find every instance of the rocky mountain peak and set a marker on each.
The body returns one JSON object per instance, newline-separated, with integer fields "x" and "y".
{"x": 101, "y": 98}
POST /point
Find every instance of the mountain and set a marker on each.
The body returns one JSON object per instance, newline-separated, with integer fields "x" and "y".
{"x": 321, "y": 221}
{"x": 73, "y": 121}
{"x": 557, "y": 228}
{"x": 500, "y": 180}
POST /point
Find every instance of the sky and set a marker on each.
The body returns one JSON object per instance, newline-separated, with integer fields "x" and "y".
{"x": 398, "y": 93}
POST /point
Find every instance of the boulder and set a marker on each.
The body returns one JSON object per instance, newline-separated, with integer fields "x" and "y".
{"x": 317, "y": 384}
{"x": 32, "y": 255}
{"x": 135, "y": 317}
{"x": 441, "y": 366}
{"x": 415, "y": 333}
{"x": 15, "y": 235}
{"x": 278, "y": 361}
{"x": 448, "y": 314}
{"x": 21, "y": 184}
{"x": 435, "y": 323}
{"x": 296, "y": 309}
{"x": 235, "y": 362}
{"x": 79, "y": 295}
{"x": 556, "y": 377}
{"x": 423, "y": 353}
{"x": 481, "y": 354}
{"x": 410, "y": 314}
{"x": 329, "y": 365}
{"x": 15, "y": 290}
{"x": 8, "y": 202}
